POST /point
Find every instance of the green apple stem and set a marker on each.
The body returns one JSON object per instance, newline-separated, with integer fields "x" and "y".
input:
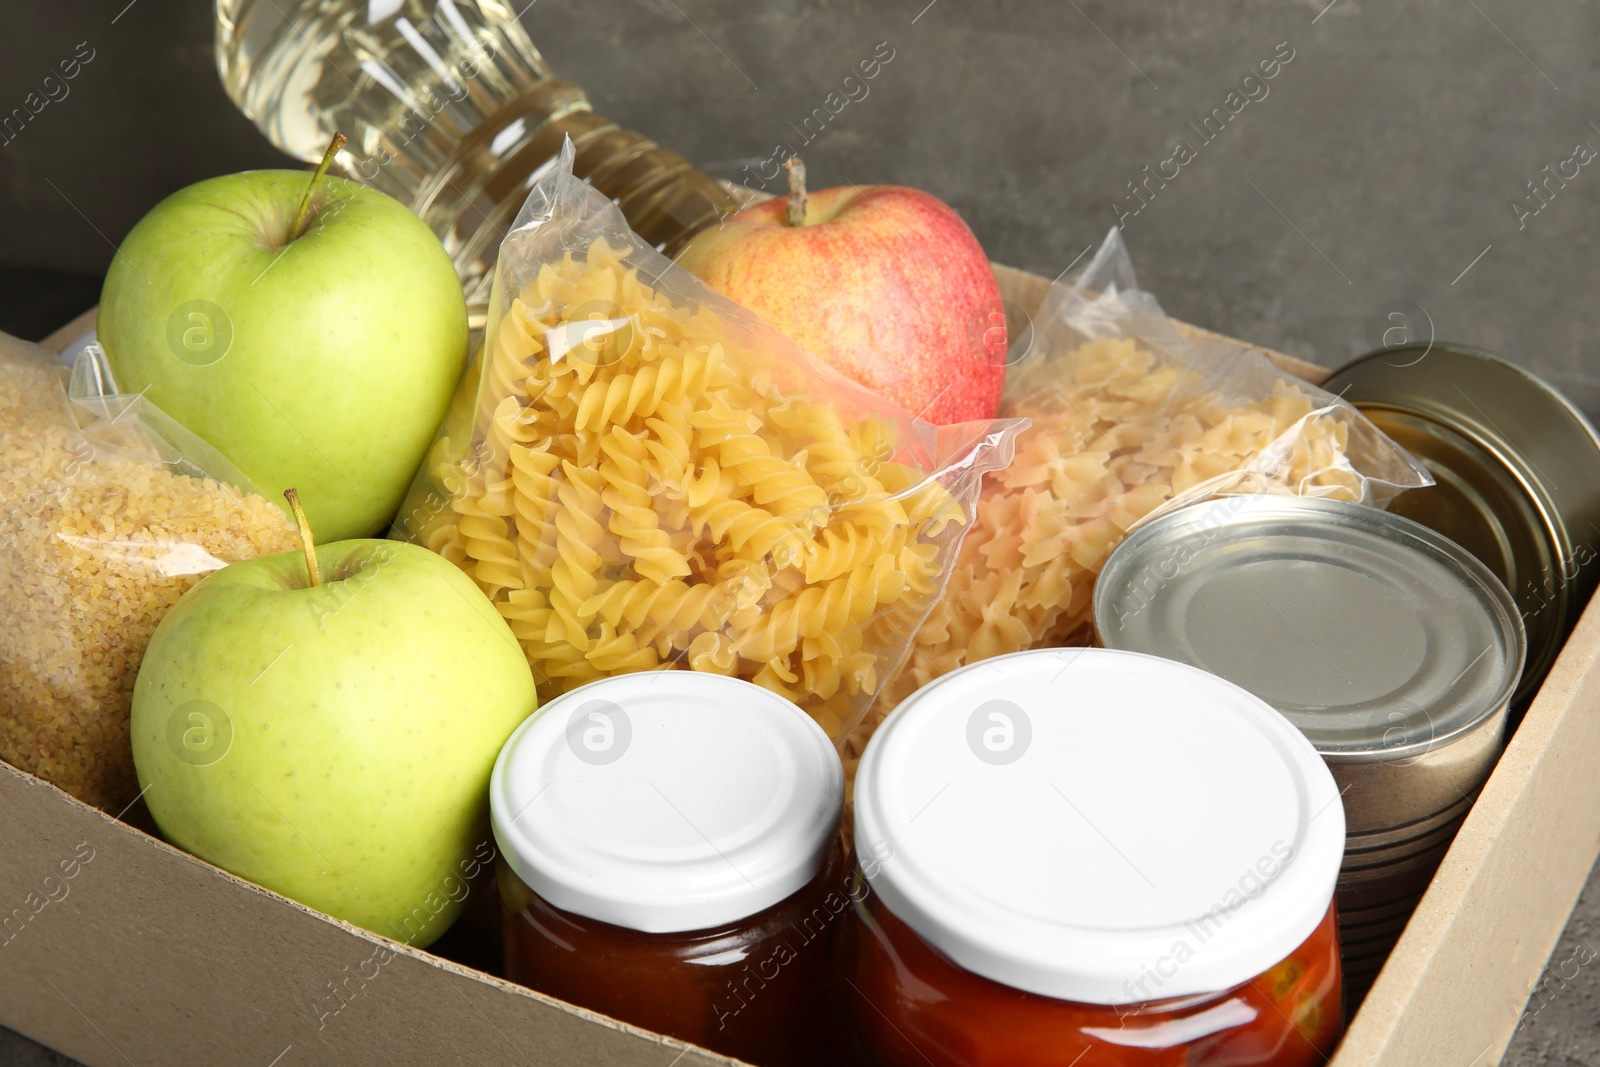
{"x": 302, "y": 213}
{"x": 795, "y": 213}
{"x": 312, "y": 570}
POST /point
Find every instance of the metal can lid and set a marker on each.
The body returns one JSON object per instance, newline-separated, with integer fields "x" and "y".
{"x": 1377, "y": 637}
{"x": 666, "y": 801}
{"x": 1098, "y": 826}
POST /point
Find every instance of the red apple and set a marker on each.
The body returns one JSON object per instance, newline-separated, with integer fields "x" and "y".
{"x": 885, "y": 283}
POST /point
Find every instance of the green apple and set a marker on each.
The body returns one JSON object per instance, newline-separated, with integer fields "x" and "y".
{"x": 324, "y": 361}
{"x": 333, "y": 740}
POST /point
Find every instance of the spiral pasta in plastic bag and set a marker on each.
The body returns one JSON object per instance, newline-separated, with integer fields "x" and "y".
{"x": 1129, "y": 418}
{"x": 641, "y": 474}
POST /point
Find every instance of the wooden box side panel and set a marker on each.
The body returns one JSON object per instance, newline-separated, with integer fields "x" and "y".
{"x": 143, "y": 954}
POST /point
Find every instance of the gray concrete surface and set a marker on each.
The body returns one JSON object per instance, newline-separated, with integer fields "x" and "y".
{"x": 1561, "y": 1025}
{"x": 1384, "y": 164}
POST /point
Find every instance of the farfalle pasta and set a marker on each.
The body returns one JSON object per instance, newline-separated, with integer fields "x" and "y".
{"x": 641, "y": 475}
{"x": 1127, "y": 419}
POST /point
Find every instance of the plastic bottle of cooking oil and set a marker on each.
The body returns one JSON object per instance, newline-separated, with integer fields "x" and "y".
{"x": 449, "y": 108}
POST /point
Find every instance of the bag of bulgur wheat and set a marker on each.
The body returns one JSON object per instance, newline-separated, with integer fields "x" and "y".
{"x": 109, "y": 512}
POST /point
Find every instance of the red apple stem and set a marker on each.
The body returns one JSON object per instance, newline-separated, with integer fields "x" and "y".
{"x": 303, "y": 212}
{"x": 795, "y": 213}
{"x": 313, "y": 571}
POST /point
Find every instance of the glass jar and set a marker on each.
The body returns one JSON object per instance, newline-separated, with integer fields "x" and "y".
{"x": 754, "y": 988}
{"x": 670, "y": 857}
{"x": 1078, "y": 856}
{"x": 1289, "y": 1014}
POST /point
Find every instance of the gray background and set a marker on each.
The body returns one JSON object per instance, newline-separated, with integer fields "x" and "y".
{"x": 1382, "y": 166}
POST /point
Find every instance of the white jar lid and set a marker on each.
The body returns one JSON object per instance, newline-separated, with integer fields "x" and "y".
{"x": 1097, "y": 826}
{"x": 666, "y": 801}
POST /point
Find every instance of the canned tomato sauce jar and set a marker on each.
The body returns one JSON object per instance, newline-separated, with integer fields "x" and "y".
{"x": 1080, "y": 856}
{"x": 670, "y": 857}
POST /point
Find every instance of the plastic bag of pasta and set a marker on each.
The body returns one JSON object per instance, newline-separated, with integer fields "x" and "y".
{"x": 641, "y": 474}
{"x": 1130, "y": 418}
{"x": 109, "y": 512}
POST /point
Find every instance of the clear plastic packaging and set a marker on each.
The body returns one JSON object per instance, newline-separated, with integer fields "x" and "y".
{"x": 1130, "y": 419}
{"x": 109, "y": 512}
{"x": 642, "y": 474}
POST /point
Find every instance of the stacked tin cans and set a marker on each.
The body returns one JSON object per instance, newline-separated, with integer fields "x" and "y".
{"x": 1517, "y": 470}
{"x": 1392, "y": 649}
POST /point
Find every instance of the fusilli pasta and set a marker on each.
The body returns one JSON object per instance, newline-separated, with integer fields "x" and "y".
{"x": 643, "y": 494}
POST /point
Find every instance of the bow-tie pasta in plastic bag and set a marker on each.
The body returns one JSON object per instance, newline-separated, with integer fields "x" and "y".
{"x": 1128, "y": 419}
{"x": 641, "y": 474}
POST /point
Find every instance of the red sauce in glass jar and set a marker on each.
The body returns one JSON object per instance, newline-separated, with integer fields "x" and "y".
{"x": 1083, "y": 858}
{"x": 914, "y": 1006}
{"x": 755, "y": 988}
{"x": 670, "y": 857}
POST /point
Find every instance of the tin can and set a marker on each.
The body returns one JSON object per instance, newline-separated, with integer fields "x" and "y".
{"x": 1517, "y": 470}
{"x": 1394, "y": 650}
